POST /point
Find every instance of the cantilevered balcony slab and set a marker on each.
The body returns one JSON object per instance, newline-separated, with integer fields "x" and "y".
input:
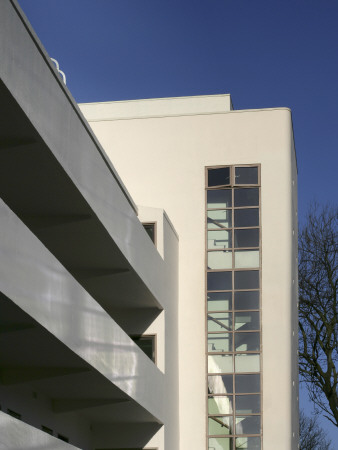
{"x": 51, "y": 327}
{"x": 56, "y": 177}
{"x": 16, "y": 434}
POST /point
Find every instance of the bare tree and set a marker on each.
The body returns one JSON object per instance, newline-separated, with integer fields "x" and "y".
{"x": 311, "y": 435}
{"x": 318, "y": 359}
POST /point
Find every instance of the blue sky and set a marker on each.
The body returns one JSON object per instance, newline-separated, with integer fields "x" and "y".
{"x": 266, "y": 53}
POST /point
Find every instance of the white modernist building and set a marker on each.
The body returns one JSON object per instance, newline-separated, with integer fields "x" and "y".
{"x": 110, "y": 339}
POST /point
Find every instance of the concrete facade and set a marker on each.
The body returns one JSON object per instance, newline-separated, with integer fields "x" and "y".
{"x": 80, "y": 280}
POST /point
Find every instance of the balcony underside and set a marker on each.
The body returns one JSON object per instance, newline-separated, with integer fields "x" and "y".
{"x": 39, "y": 191}
{"x": 31, "y": 356}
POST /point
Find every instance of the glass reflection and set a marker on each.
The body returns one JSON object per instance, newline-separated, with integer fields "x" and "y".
{"x": 248, "y": 404}
{"x": 246, "y": 259}
{"x": 246, "y": 175}
{"x": 219, "y": 301}
{"x": 219, "y": 321}
{"x": 219, "y": 219}
{"x": 247, "y": 238}
{"x": 220, "y": 404}
{"x": 220, "y": 342}
{"x": 248, "y": 443}
{"x": 218, "y": 239}
{"x": 245, "y": 321}
{"x": 247, "y": 362}
{"x": 246, "y": 217}
{"x": 247, "y": 342}
{"x": 220, "y": 443}
{"x": 219, "y": 177}
{"x": 220, "y": 384}
{"x": 246, "y": 197}
{"x": 220, "y": 425}
{"x": 220, "y": 260}
{"x": 220, "y": 363}
{"x": 247, "y": 300}
{"x": 219, "y": 281}
{"x": 247, "y": 383}
{"x": 247, "y": 279}
{"x": 219, "y": 198}
{"x": 248, "y": 425}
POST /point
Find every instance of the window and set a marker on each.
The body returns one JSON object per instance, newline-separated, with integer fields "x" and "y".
{"x": 63, "y": 438}
{"x": 233, "y": 341}
{"x": 219, "y": 177}
{"x": 246, "y": 175}
{"x": 47, "y": 430}
{"x": 14, "y": 414}
{"x": 147, "y": 344}
{"x": 219, "y": 281}
{"x": 151, "y": 230}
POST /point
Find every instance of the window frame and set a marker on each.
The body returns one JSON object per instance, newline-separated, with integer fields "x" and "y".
{"x": 233, "y": 183}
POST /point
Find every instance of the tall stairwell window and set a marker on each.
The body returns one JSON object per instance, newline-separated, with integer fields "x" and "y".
{"x": 233, "y": 312}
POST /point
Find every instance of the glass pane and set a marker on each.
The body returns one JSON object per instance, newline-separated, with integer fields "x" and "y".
{"x": 247, "y": 363}
{"x": 248, "y": 404}
{"x": 219, "y": 425}
{"x": 219, "y": 239}
{"x": 247, "y": 342}
{"x": 220, "y": 321}
{"x": 218, "y": 177}
{"x": 220, "y": 384}
{"x": 220, "y": 342}
{"x": 248, "y": 443}
{"x": 247, "y": 238}
{"x": 247, "y": 279}
{"x": 246, "y": 259}
{"x": 245, "y": 321}
{"x": 219, "y": 198}
{"x": 147, "y": 345}
{"x": 219, "y": 219}
{"x": 247, "y": 383}
{"x": 220, "y": 364}
{"x": 219, "y": 281}
{"x": 246, "y": 175}
{"x": 247, "y": 197}
{"x": 150, "y": 229}
{"x": 248, "y": 425}
{"x": 247, "y": 300}
{"x": 220, "y": 404}
{"x": 247, "y": 217}
{"x": 219, "y": 301}
{"x": 220, "y": 443}
{"x": 220, "y": 260}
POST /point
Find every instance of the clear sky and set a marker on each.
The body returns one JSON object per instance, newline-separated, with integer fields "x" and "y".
{"x": 265, "y": 53}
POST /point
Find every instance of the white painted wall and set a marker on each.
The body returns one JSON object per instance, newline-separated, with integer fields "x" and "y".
{"x": 165, "y": 327}
{"x": 161, "y": 159}
{"x": 155, "y": 107}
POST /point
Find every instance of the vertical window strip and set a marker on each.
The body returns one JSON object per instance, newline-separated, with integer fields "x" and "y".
{"x": 233, "y": 330}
